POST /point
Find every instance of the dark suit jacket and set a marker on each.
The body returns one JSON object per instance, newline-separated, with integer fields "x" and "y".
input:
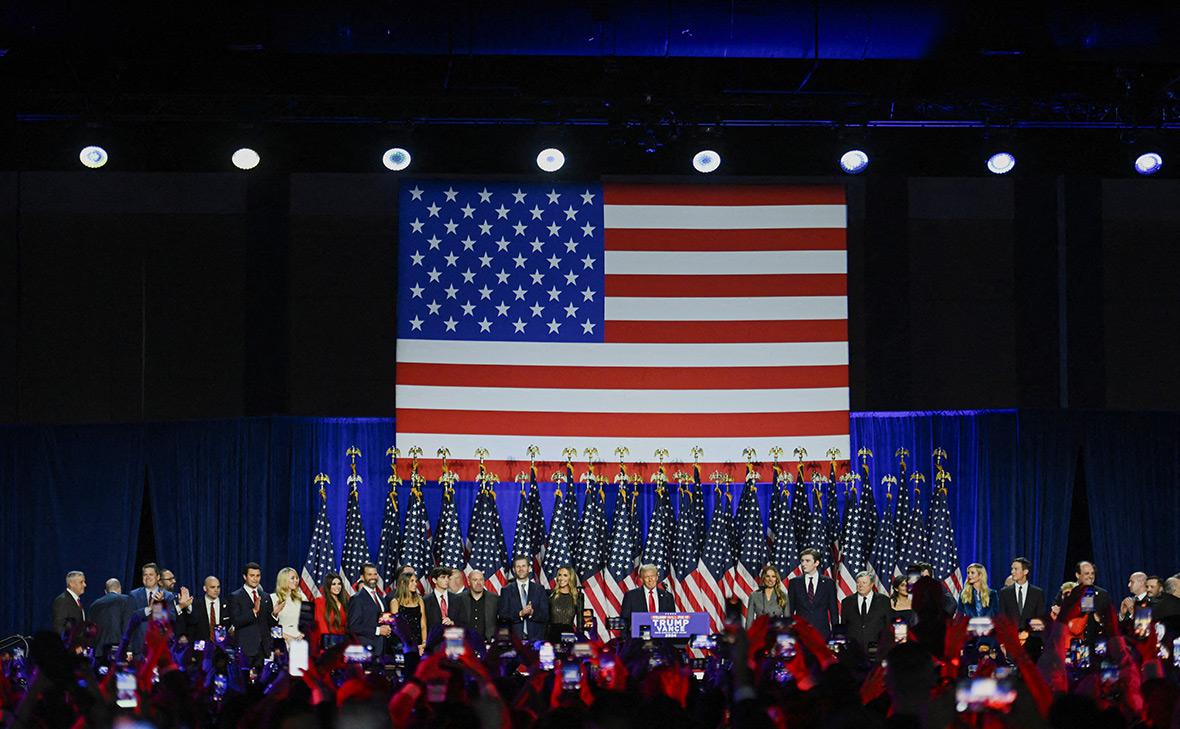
{"x": 635, "y": 601}
{"x": 194, "y": 624}
{"x": 138, "y": 600}
{"x": 251, "y": 632}
{"x": 822, "y": 611}
{"x": 532, "y": 628}
{"x": 863, "y": 631}
{"x": 110, "y": 614}
{"x": 456, "y": 610}
{"x": 488, "y": 607}
{"x": 65, "y": 609}
{"x": 1034, "y": 604}
{"x": 363, "y": 615}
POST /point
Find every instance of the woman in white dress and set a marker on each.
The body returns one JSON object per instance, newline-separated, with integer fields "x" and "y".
{"x": 287, "y": 600}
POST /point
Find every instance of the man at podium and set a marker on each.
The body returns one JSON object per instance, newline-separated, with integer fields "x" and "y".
{"x": 648, "y": 598}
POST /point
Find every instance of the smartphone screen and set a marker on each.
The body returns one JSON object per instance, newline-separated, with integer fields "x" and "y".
{"x": 547, "y": 656}
{"x": 1176, "y": 653}
{"x": 198, "y": 646}
{"x": 358, "y": 653}
{"x": 979, "y": 626}
{"x": 901, "y": 632}
{"x": 276, "y": 631}
{"x": 297, "y": 657}
{"x": 455, "y": 647}
{"x": 571, "y": 676}
{"x": 1088, "y": 600}
{"x": 126, "y": 692}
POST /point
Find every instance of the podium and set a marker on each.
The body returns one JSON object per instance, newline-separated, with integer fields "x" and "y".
{"x": 671, "y": 625}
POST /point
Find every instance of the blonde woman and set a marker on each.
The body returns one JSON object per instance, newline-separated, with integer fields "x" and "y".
{"x": 565, "y": 604}
{"x": 977, "y": 599}
{"x": 288, "y": 601}
{"x": 769, "y": 599}
{"x": 406, "y": 604}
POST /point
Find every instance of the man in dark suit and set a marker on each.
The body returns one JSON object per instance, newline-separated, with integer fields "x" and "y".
{"x": 523, "y": 604}
{"x": 364, "y": 612}
{"x": 649, "y": 597}
{"x": 67, "y": 607}
{"x": 251, "y": 614}
{"x": 203, "y": 615}
{"x": 144, "y": 602}
{"x": 443, "y": 607}
{"x": 865, "y": 613}
{"x": 481, "y": 606}
{"x": 1022, "y": 601}
{"x": 813, "y": 596}
{"x": 110, "y": 614}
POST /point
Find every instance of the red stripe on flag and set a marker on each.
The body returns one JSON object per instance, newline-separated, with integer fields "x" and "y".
{"x": 800, "y": 284}
{"x": 701, "y": 239}
{"x": 723, "y": 195}
{"x": 623, "y": 378}
{"x": 704, "y": 332}
{"x": 624, "y": 425}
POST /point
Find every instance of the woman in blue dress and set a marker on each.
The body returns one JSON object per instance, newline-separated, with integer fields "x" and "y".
{"x": 977, "y": 600}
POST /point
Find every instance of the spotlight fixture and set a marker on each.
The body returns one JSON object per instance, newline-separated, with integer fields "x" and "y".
{"x": 245, "y": 159}
{"x": 396, "y": 159}
{"x": 1149, "y": 163}
{"x": 1001, "y": 163}
{"x": 551, "y": 159}
{"x": 854, "y": 161}
{"x": 706, "y": 161}
{"x": 93, "y": 157}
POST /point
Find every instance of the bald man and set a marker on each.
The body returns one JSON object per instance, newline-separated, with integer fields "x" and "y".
{"x": 110, "y": 613}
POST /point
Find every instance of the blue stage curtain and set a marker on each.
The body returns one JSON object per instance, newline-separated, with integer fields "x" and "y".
{"x": 1132, "y": 470}
{"x": 72, "y": 497}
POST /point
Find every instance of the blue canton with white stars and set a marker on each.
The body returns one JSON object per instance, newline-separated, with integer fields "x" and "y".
{"x": 500, "y": 262}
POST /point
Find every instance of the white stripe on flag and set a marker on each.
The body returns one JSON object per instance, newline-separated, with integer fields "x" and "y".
{"x": 724, "y": 217}
{"x": 561, "y": 400}
{"x": 579, "y": 354}
{"x": 724, "y": 308}
{"x": 511, "y": 447}
{"x": 717, "y": 263}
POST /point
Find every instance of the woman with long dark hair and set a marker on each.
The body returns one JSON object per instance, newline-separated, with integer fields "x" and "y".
{"x": 331, "y": 615}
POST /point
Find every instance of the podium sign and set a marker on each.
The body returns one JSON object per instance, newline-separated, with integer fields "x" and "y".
{"x": 671, "y": 625}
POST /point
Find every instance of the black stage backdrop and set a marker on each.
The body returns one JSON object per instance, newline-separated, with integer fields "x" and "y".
{"x": 223, "y": 492}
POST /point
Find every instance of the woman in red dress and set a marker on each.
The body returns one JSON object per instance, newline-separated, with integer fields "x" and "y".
{"x": 331, "y": 618}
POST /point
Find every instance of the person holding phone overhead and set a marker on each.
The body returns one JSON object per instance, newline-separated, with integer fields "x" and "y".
{"x": 523, "y": 604}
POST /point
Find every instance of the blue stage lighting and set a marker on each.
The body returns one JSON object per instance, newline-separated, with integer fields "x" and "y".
{"x": 1001, "y": 163}
{"x": 854, "y": 161}
{"x": 245, "y": 159}
{"x": 706, "y": 161}
{"x": 396, "y": 159}
{"x": 1149, "y": 163}
{"x": 551, "y": 159}
{"x": 93, "y": 157}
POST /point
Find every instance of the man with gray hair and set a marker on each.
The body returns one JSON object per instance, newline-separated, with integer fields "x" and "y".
{"x": 67, "y": 607}
{"x": 864, "y": 613}
{"x": 110, "y": 614}
{"x": 1167, "y": 605}
{"x": 649, "y": 597}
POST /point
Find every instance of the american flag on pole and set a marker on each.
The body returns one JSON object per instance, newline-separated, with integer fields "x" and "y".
{"x": 684, "y": 552}
{"x": 845, "y": 578}
{"x": 885, "y": 549}
{"x": 448, "y": 539}
{"x": 817, "y": 533}
{"x": 902, "y": 523}
{"x": 801, "y": 509}
{"x": 559, "y": 548}
{"x": 528, "y": 537}
{"x": 321, "y": 556}
{"x": 391, "y": 536}
{"x": 489, "y": 554}
{"x": 356, "y": 547}
{"x": 717, "y": 558}
{"x": 590, "y": 556}
{"x": 751, "y": 553}
{"x": 868, "y": 504}
{"x": 416, "y": 545}
{"x": 784, "y": 554}
{"x": 944, "y": 553}
{"x": 637, "y": 315}
{"x": 655, "y": 549}
{"x": 920, "y": 541}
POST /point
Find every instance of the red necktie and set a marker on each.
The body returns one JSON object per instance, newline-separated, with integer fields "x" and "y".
{"x": 810, "y": 589}
{"x": 376, "y": 599}
{"x": 257, "y": 602}
{"x": 442, "y": 603}
{"x": 212, "y": 620}
{"x": 651, "y": 601}
{"x": 80, "y": 609}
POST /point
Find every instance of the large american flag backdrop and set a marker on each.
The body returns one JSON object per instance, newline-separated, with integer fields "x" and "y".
{"x": 638, "y": 315}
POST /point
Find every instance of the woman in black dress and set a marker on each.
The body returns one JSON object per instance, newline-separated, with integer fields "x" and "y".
{"x": 407, "y": 606}
{"x": 565, "y": 605}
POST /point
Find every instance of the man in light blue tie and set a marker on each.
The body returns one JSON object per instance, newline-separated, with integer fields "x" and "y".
{"x": 524, "y": 606}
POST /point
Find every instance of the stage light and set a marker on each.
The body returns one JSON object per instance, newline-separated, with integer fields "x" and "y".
{"x": 854, "y": 161}
{"x": 245, "y": 159}
{"x": 1149, "y": 163}
{"x": 551, "y": 159}
{"x": 1001, "y": 163}
{"x": 93, "y": 157}
{"x": 396, "y": 159}
{"x": 706, "y": 161}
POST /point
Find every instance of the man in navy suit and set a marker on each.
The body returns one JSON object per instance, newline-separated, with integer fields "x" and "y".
{"x": 523, "y": 603}
{"x": 1022, "y": 601}
{"x": 813, "y": 596}
{"x": 144, "y": 601}
{"x": 252, "y": 615}
{"x": 364, "y": 612}
{"x": 648, "y": 598}
{"x": 110, "y": 614}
